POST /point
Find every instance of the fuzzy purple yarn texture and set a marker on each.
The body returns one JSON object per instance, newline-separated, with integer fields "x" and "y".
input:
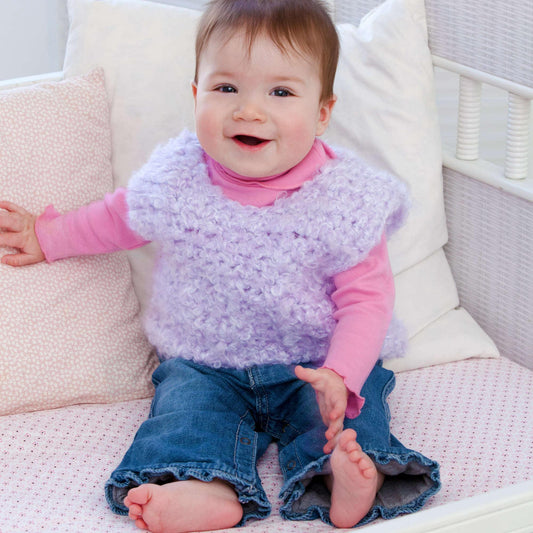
{"x": 235, "y": 286}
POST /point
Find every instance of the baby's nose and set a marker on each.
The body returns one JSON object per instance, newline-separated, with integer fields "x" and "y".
{"x": 249, "y": 111}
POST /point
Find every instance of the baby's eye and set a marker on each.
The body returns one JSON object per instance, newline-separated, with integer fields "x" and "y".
{"x": 280, "y": 91}
{"x": 226, "y": 89}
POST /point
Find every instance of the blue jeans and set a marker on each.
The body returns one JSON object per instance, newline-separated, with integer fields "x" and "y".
{"x": 210, "y": 424}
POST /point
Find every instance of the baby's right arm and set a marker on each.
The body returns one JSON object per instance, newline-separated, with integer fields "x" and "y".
{"x": 97, "y": 228}
{"x": 17, "y": 230}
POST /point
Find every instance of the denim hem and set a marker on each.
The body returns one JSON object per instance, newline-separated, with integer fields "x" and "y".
{"x": 405, "y": 462}
{"x": 408, "y": 460}
{"x": 294, "y": 488}
{"x": 252, "y": 498}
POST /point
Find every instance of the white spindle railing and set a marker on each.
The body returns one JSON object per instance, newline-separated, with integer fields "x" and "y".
{"x": 514, "y": 176}
{"x": 468, "y": 121}
{"x": 517, "y": 143}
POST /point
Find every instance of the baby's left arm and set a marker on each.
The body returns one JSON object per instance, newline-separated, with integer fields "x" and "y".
{"x": 364, "y": 298}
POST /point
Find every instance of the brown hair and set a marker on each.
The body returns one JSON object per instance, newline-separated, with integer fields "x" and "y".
{"x": 303, "y": 25}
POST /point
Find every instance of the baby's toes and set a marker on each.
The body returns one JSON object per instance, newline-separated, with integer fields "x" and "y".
{"x": 352, "y": 447}
{"x": 347, "y": 436}
{"x": 141, "y": 524}
{"x": 366, "y": 465}
{"x": 135, "y": 511}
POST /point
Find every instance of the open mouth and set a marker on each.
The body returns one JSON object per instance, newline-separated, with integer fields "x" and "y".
{"x": 248, "y": 140}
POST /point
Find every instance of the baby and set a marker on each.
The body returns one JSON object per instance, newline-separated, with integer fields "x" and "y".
{"x": 272, "y": 295}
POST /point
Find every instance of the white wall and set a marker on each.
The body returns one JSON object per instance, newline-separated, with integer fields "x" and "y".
{"x": 32, "y": 37}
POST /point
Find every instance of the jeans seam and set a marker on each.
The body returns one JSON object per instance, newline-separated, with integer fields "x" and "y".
{"x": 237, "y": 433}
{"x": 387, "y": 389}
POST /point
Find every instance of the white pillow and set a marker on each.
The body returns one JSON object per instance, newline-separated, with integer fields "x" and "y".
{"x": 149, "y": 67}
{"x": 425, "y": 292}
{"x": 386, "y": 112}
{"x": 70, "y": 331}
{"x": 452, "y": 337}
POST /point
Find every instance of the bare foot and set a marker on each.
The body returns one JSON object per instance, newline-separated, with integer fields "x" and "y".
{"x": 354, "y": 481}
{"x": 184, "y": 506}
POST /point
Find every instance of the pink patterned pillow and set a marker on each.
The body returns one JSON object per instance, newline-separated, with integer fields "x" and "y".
{"x": 70, "y": 331}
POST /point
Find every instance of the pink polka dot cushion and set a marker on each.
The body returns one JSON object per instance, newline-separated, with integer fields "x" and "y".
{"x": 70, "y": 331}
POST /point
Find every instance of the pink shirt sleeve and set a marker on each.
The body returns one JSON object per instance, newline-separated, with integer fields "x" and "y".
{"x": 364, "y": 294}
{"x": 364, "y": 297}
{"x": 97, "y": 228}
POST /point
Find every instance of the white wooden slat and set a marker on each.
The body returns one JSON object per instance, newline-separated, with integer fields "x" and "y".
{"x": 468, "y": 121}
{"x": 31, "y": 80}
{"x": 517, "y": 143}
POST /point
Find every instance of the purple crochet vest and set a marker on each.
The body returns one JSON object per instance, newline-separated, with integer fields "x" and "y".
{"x": 236, "y": 285}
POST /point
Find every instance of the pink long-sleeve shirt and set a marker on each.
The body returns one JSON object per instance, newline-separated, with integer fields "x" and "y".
{"x": 364, "y": 295}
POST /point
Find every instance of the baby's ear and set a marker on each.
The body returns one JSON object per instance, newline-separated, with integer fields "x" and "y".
{"x": 326, "y": 108}
{"x": 194, "y": 88}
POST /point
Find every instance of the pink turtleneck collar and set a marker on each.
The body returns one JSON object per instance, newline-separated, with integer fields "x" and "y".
{"x": 264, "y": 191}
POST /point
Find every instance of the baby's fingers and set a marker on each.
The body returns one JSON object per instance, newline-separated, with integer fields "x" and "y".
{"x": 11, "y": 240}
{"x": 13, "y": 208}
{"x": 9, "y": 222}
{"x": 13, "y": 217}
{"x": 18, "y": 260}
{"x": 332, "y": 434}
{"x": 308, "y": 375}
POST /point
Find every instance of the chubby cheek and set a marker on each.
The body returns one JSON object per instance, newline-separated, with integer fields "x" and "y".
{"x": 299, "y": 136}
{"x": 205, "y": 120}
{"x": 208, "y": 129}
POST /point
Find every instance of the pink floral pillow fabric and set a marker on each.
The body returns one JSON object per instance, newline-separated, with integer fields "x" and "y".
{"x": 70, "y": 331}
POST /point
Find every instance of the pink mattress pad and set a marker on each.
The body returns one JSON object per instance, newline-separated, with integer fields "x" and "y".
{"x": 474, "y": 417}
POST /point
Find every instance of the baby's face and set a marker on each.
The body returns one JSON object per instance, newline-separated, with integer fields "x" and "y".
{"x": 257, "y": 114}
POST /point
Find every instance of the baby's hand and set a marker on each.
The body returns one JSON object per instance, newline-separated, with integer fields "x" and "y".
{"x": 17, "y": 230}
{"x": 332, "y": 397}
